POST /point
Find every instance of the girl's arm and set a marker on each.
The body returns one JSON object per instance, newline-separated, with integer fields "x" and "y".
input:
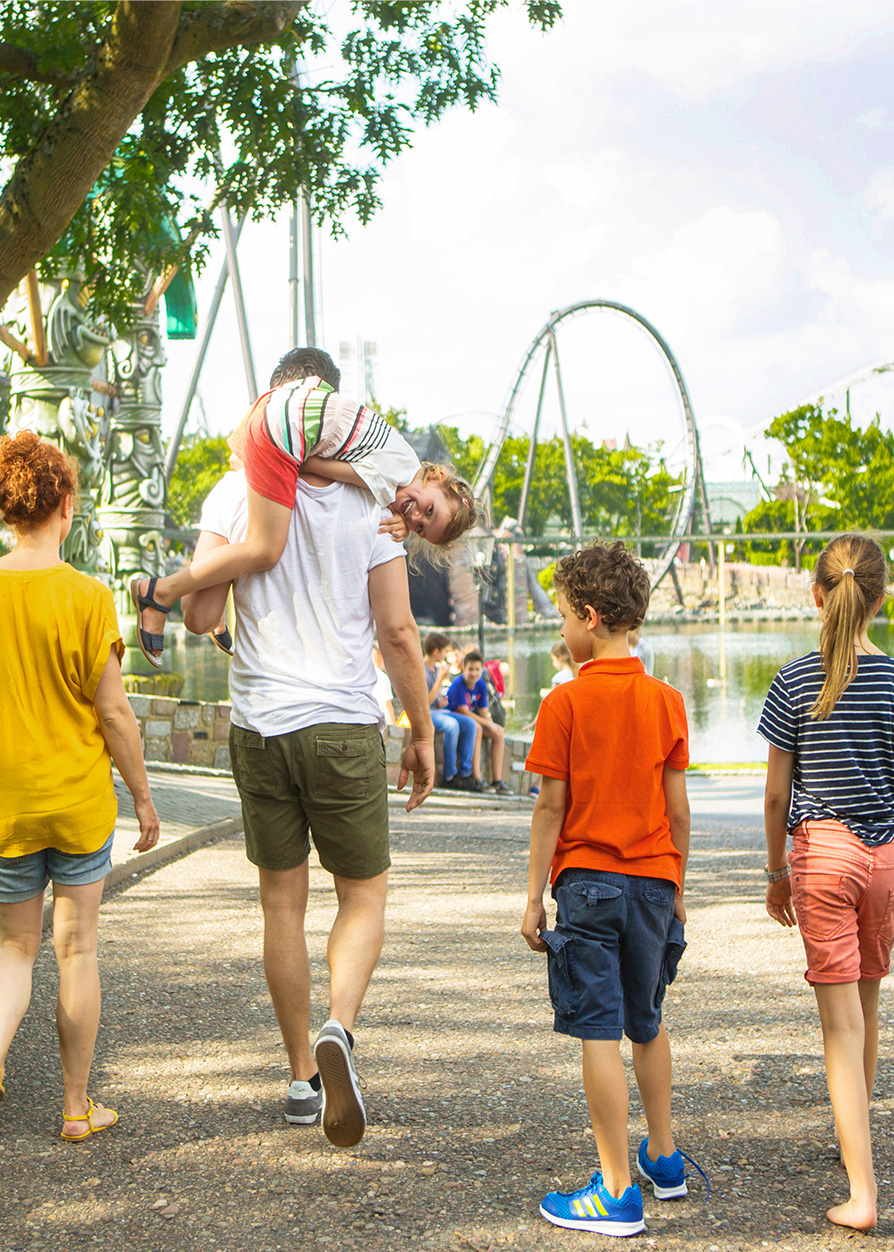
{"x": 342, "y": 472}
{"x": 335, "y": 471}
{"x": 677, "y": 807}
{"x": 777, "y": 804}
{"x": 546, "y": 826}
{"x": 122, "y": 735}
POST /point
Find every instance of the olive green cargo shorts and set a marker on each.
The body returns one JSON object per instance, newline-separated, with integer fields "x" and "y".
{"x": 327, "y": 781}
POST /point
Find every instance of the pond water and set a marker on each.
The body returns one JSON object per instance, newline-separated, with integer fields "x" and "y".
{"x": 724, "y": 676}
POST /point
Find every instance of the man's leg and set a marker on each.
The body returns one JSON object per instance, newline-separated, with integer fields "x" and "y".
{"x": 286, "y": 963}
{"x": 355, "y": 942}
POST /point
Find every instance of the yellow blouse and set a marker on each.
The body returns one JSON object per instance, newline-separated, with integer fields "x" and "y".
{"x": 57, "y": 628}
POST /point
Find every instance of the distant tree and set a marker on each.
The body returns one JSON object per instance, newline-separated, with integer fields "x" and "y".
{"x": 200, "y": 464}
{"x": 840, "y": 476}
{"x": 111, "y": 112}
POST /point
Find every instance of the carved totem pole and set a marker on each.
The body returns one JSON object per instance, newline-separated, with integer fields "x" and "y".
{"x": 54, "y": 394}
{"x": 133, "y": 491}
{"x": 98, "y": 398}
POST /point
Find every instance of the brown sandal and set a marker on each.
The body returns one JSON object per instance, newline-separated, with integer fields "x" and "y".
{"x": 88, "y": 1118}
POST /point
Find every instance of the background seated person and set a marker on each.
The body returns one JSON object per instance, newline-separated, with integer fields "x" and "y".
{"x": 467, "y": 695}
{"x": 462, "y": 735}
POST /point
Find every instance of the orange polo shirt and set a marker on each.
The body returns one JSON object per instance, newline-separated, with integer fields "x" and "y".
{"x": 609, "y": 734}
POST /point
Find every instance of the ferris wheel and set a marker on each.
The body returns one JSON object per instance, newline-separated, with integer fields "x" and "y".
{"x": 546, "y": 351}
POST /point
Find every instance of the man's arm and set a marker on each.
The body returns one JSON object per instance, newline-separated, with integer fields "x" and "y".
{"x": 202, "y": 610}
{"x": 677, "y": 808}
{"x": 777, "y": 803}
{"x": 398, "y": 635}
{"x": 546, "y": 826}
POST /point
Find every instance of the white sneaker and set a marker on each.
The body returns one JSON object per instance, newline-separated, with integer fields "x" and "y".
{"x": 344, "y": 1117}
{"x": 303, "y": 1104}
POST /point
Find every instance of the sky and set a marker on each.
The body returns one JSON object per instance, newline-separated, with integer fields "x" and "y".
{"x": 725, "y": 169}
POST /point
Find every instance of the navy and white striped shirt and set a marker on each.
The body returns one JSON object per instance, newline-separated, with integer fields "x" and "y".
{"x": 844, "y": 766}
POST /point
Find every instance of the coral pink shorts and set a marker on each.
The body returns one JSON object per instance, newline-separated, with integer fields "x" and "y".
{"x": 843, "y": 893}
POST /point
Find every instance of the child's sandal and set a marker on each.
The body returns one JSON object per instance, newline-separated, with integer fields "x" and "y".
{"x": 88, "y": 1118}
{"x": 149, "y": 643}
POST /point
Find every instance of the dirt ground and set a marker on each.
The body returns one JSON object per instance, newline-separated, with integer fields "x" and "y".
{"x": 475, "y": 1106}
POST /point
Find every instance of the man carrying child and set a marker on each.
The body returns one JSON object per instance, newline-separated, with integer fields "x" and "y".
{"x": 611, "y": 831}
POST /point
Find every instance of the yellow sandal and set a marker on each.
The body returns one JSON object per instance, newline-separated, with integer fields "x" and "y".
{"x": 88, "y": 1118}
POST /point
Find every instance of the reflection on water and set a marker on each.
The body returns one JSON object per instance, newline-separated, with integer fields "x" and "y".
{"x": 694, "y": 658}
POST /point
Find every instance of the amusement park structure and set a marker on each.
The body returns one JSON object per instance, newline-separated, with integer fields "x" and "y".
{"x": 545, "y": 349}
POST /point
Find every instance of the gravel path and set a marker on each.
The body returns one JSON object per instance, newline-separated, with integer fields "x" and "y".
{"x": 475, "y": 1106}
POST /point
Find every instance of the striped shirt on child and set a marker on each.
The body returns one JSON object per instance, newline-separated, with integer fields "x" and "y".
{"x": 844, "y": 765}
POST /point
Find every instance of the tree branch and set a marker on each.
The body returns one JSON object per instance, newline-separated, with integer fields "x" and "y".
{"x": 52, "y": 180}
{"x": 22, "y": 63}
{"x": 235, "y": 23}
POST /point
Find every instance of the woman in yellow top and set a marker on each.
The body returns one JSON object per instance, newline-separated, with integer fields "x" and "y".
{"x": 63, "y": 715}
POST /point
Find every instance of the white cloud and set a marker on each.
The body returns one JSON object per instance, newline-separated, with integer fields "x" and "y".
{"x": 873, "y": 118}
{"x": 878, "y": 195}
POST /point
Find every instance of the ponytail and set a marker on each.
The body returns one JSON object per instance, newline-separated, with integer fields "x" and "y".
{"x": 851, "y": 574}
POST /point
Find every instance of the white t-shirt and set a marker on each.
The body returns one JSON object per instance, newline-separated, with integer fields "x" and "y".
{"x": 304, "y": 629}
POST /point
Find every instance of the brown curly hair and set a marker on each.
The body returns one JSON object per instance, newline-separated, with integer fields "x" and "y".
{"x": 610, "y": 579}
{"x": 35, "y": 477}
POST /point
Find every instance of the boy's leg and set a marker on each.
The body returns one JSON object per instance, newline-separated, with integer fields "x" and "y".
{"x": 468, "y": 737}
{"x": 268, "y": 529}
{"x": 652, "y": 1067}
{"x": 447, "y": 724}
{"x": 606, "y": 1088}
{"x": 841, "y": 1016}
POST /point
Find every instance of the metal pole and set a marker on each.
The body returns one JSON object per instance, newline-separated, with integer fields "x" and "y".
{"x": 721, "y": 585}
{"x": 532, "y": 450}
{"x": 310, "y": 320}
{"x": 293, "y": 276}
{"x": 174, "y": 445}
{"x": 480, "y": 615}
{"x": 566, "y": 442}
{"x": 233, "y": 266}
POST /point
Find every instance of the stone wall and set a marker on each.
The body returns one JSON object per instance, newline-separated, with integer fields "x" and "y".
{"x": 188, "y": 732}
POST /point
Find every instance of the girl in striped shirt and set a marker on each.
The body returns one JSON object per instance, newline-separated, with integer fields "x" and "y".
{"x": 829, "y": 721}
{"x": 304, "y": 422}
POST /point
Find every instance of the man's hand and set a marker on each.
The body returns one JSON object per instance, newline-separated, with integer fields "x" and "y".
{"x": 534, "y": 921}
{"x": 394, "y": 525}
{"x": 419, "y": 760}
{"x": 679, "y": 909}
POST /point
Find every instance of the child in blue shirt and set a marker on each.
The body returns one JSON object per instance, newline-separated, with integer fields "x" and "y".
{"x": 467, "y": 696}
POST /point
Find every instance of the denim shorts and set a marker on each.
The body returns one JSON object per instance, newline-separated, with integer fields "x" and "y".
{"x": 843, "y": 892}
{"x": 23, "y": 877}
{"x": 613, "y": 952}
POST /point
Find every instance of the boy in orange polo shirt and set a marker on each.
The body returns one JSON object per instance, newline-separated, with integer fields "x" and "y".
{"x": 611, "y": 830}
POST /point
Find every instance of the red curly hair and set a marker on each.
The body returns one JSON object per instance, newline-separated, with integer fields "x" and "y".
{"x": 35, "y": 477}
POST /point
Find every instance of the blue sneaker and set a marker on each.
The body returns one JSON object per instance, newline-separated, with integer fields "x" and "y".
{"x": 592, "y": 1208}
{"x": 667, "y": 1174}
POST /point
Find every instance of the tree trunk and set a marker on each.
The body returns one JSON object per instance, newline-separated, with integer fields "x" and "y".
{"x": 51, "y": 182}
